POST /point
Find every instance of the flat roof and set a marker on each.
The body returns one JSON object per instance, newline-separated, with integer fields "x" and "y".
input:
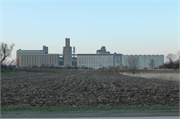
{"x": 39, "y": 54}
{"x": 95, "y": 54}
{"x": 46, "y": 54}
{"x": 147, "y": 55}
{"x": 29, "y": 50}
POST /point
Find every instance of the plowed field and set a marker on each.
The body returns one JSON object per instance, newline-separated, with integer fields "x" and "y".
{"x": 85, "y": 88}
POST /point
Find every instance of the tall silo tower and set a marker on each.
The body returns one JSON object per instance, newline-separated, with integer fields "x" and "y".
{"x": 67, "y": 52}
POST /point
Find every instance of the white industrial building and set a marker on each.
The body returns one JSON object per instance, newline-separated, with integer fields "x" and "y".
{"x": 102, "y": 58}
{"x": 97, "y": 61}
{"x": 144, "y": 60}
{"x": 27, "y": 52}
{"x": 29, "y": 58}
{"x": 94, "y": 61}
{"x": 39, "y": 60}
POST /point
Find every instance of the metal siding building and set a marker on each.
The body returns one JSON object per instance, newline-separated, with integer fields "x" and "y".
{"x": 96, "y": 61}
{"x": 144, "y": 60}
{"x": 27, "y": 52}
{"x": 26, "y": 60}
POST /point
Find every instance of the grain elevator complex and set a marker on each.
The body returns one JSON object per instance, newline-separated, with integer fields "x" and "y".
{"x": 102, "y": 58}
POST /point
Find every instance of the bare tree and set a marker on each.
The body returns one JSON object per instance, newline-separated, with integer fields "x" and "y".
{"x": 42, "y": 65}
{"x": 47, "y": 65}
{"x": 52, "y": 66}
{"x": 177, "y": 62}
{"x": 5, "y": 50}
{"x": 133, "y": 63}
{"x": 5, "y": 62}
{"x": 152, "y": 63}
{"x": 178, "y": 54}
{"x": 171, "y": 57}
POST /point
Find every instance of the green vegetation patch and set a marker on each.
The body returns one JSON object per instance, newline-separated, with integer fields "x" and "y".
{"x": 64, "y": 108}
{"x": 12, "y": 72}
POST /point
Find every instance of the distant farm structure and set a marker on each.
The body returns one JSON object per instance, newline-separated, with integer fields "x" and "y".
{"x": 102, "y": 59}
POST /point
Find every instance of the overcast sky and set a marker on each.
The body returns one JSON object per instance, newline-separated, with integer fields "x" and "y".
{"x": 122, "y": 26}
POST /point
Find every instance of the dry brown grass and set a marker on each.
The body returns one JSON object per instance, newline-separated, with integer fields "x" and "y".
{"x": 164, "y": 76}
{"x": 163, "y": 69}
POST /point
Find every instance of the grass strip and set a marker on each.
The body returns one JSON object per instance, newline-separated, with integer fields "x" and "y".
{"x": 12, "y": 72}
{"x": 70, "y": 108}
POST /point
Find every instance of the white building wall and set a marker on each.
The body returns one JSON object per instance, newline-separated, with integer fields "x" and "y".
{"x": 25, "y": 60}
{"x": 94, "y": 61}
{"x": 159, "y": 58}
{"x": 20, "y": 52}
{"x": 38, "y": 60}
{"x": 148, "y": 60}
{"x": 22, "y": 61}
{"x": 141, "y": 62}
{"x": 52, "y": 58}
{"x": 144, "y": 60}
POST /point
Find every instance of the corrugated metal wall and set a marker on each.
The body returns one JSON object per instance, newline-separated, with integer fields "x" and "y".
{"x": 144, "y": 60}
{"x": 20, "y": 52}
{"x": 94, "y": 61}
{"x": 30, "y": 60}
{"x": 99, "y": 61}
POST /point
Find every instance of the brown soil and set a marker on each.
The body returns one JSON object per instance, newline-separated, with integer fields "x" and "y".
{"x": 59, "y": 87}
